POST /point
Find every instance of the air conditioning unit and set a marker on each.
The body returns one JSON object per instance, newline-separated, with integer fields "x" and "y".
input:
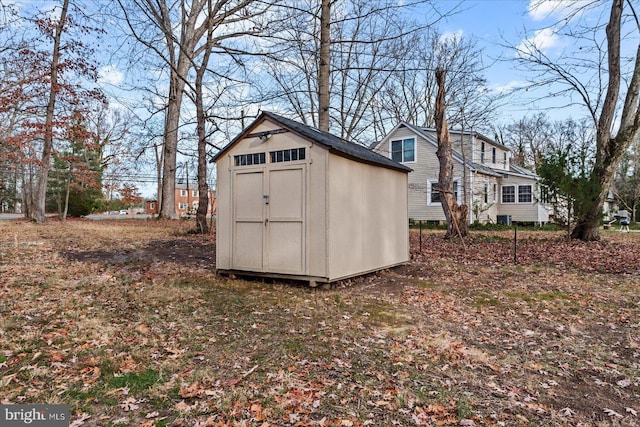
{"x": 503, "y": 219}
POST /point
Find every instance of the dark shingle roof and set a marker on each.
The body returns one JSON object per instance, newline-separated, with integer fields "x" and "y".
{"x": 331, "y": 142}
{"x": 522, "y": 171}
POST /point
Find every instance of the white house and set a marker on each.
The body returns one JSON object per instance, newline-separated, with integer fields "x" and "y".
{"x": 496, "y": 190}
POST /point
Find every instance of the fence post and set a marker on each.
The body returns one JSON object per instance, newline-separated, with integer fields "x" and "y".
{"x": 515, "y": 243}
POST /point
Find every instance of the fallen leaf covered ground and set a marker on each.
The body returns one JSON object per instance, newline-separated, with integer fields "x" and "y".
{"x": 128, "y": 323}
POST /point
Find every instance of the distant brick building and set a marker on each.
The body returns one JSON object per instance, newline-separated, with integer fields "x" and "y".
{"x": 187, "y": 198}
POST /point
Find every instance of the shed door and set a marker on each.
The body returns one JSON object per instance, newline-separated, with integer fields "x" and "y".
{"x": 248, "y": 188}
{"x": 285, "y": 243}
{"x": 269, "y": 216}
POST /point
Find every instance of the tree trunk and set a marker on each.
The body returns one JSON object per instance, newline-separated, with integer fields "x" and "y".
{"x": 47, "y": 145}
{"x": 203, "y": 187}
{"x": 456, "y": 215}
{"x": 170, "y": 151}
{"x": 63, "y": 217}
{"x": 159, "y": 154}
{"x": 325, "y": 60}
{"x": 609, "y": 150}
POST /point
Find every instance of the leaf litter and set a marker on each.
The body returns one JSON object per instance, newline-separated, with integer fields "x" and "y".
{"x": 129, "y": 325}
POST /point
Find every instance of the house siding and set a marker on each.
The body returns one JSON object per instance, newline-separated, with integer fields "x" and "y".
{"x": 426, "y": 169}
{"x": 523, "y": 212}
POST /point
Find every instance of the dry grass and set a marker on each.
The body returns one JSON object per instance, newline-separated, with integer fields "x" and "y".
{"x": 128, "y": 323}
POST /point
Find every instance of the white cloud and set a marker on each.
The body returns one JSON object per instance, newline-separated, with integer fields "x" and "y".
{"x": 109, "y": 74}
{"x": 557, "y": 9}
{"x": 542, "y": 40}
{"x": 509, "y": 87}
{"x": 451, "y": 36}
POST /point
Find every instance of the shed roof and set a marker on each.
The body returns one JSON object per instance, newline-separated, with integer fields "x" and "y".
{"x": 333, "y": 143}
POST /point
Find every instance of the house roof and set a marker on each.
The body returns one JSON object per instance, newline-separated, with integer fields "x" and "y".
{"x": 426, "y": 133}
{"x": 522, "y": 171}
{"x": 333, "y": 143}
{"x": 473, "y": 133}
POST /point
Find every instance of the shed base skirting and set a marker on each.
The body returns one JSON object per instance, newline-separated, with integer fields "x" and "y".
{"x": 313, "y": 281}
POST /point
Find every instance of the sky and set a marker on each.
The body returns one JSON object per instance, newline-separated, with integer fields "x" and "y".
{"x": 493, "y": 25}
{"x": 496, "y": 24}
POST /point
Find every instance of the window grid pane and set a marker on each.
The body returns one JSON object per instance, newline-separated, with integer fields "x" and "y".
{"x": 409, "y": 150}
{"x": 524, "y": 194}
{"x": 289, "y": 155}
{"x": 435, "y": 193}
{"x": 396, "y": 151}
{"x": 250, "y": 159}
{"x": 509, "y": 194}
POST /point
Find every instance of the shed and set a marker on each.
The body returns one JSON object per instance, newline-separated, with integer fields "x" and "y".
{"x": 296, "y": 202}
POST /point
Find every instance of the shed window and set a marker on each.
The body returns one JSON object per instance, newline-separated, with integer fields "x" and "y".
{"x": 403, "y": 150}
{"x": 250, "y": 159}
{"x": 290, "y": 155}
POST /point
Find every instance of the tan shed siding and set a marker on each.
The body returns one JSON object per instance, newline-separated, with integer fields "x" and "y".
{"x": 345, "y": 208}
{"x": 367, "y": 217}
{"x": 314, "y": 258}
{"x": 223, "y": 215}
{"x": 524, "y": 212}
{"x": 317, "y": 218}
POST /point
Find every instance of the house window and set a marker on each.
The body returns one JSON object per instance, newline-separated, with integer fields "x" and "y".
{"x": 545, "y": 195}
{"x": 152, "y": 205}
{"x": 524, "y": 194}
{"x": 508, "y": 194}
{"x": 434, "y": 193}
{"x": 183, "y": 193}
{"x": 183, "y": 206}
{"x": 504, "y": 160}
{"x": 495, "y": 192}
{"x": 195, "y": 205}
{"x": 250, "y": 159}
{"x": 485, "y": 193}
{"x": 290, "y": 155}
{"x": 194, "y": 193}
{"x": 482, "y": 149}
{"x": 403, "y": 150}
{"x": 493, "y": 155}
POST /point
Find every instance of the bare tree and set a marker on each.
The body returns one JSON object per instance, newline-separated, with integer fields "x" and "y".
{"x": 455, "y": 214}
{"x": 626, "y": 184}
{"x": 410, "y": 92}
{"x": 47, "y": 146}
{"x": 597, "y": 83}
{"x": 324, "y": 65}
{"x": 176, "y": 36}
{"x": 367, "y": 43}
